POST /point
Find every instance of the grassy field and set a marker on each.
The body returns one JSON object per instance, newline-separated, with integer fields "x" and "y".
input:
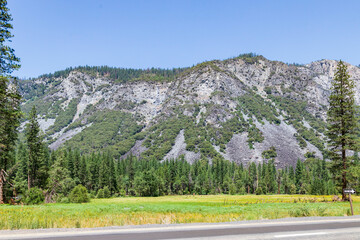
{"x": 170, "y": 209}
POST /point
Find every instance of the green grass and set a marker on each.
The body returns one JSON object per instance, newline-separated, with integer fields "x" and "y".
{"x": 170, "y": 209}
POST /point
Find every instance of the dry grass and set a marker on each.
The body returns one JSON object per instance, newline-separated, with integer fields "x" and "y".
{"x": 170, "y": 209}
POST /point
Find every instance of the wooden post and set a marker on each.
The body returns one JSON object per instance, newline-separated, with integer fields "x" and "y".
{"x": 352, "y": 210}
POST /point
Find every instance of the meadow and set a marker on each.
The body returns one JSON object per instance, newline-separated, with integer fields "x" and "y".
{"x": 170, "y": 209}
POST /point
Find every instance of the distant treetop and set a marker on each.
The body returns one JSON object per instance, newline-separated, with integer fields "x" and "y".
{"x": 121, "y": 74}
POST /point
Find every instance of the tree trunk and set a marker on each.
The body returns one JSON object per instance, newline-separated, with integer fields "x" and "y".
{"x": 343, "y": 155}
{"x": 29, "y": 182}
{"x": 279, "y": 183}
{"x": 1, "y": 190}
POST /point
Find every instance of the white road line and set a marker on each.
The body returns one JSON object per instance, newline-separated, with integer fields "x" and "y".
{"x": 300, "y": 234}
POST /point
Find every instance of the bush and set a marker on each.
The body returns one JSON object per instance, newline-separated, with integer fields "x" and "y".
{"x": 100, "y": 193}
{"x": 259, "y": 191}
{"x": 107, "y": 192}
{"x": 242, "y": 190}
{"x": 92, "y": 194}
{"x": 122, "y": 193}
{"x": 79, "y": 195}
{"x": 34, "y": 196}
{"x": 300, "y": 212}
{"x": 64, "y": 200}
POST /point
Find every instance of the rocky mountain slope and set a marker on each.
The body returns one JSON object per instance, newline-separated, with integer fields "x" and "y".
{"x": 242, "y": 109}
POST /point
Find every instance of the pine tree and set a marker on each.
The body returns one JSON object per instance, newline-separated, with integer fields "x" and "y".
{"x": 8, "y": 60}
{"x": 34, "y": 142}
{"x": 83, "y": 173}
{"x": 59, "y": 181}
{"x": 112, "y": 176}
{"x": 342, "y": 124}
{"x": 9, "y": 95}
{"x": 299, "y": 174}
{"x": 9, "y": 119}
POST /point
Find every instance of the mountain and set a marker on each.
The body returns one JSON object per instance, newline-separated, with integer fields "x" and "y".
{"x": 242, "y": 109}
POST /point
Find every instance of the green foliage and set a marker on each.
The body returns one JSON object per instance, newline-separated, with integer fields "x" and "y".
{"x": 180, "y": 209}
{"x": 249, "y": 58}
{"x": 254, "y": 135}
{"x": 100, "y": 193}
{"x": 37, "y": 169}
{"x": 34, "y": 196}
{"x": 269, "y": 154}
{"x": 65, "y": 200}
{"x": 255, "y": 105}
{"x": 59, "y": 180}
{"x": 259, "y": 191}
{"x": 79, "y": 195}
{"x": 107, "y": 193}
{"x": 343, "y": 128}
{"x": 268, "y": 90}
{"x": 121, "y": 74}
{"x": 9, "y": 118}
{"x": 150, "y": 177}
{"x": 64, "y": 117}
{"x": 147, "y": 184}
{"x": 296, "y": 114}
{"x": 300, "y": 212}
{"x": 8, "y": 60}
{"x": 114, "y": 130}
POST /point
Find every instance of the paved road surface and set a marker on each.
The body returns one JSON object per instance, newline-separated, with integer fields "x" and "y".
{"x": 301, "y": 228}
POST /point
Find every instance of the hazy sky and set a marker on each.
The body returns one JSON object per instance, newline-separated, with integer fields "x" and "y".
{"x": 52, "y": 35}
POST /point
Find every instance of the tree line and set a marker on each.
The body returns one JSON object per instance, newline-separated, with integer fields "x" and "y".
{"x": 58, "y": 172}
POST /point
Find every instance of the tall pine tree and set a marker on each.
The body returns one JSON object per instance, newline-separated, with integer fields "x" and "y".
{"x": 34, "y": 142}
{"x": 342, "y": 124}
{"x": 9, "y": 96}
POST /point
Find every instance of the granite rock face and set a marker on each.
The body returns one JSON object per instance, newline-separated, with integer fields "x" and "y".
{"x": 209, "y": 92}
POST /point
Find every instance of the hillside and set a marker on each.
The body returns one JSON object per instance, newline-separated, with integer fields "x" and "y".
{"x": 242, "y": 109}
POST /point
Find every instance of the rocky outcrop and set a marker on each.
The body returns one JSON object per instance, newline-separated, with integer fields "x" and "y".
{"x": 210, "y": 92}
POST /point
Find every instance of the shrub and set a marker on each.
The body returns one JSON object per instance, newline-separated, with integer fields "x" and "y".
{"x": 107, "y": 192}
{"x": 100, "y": 193}
{"x": 232, "y": 189}
{"x": 64, "y": 200}
{"x": 300, "y": 212}
{"x": 79, "y": 194}
{"x": 268, "y": 154}
{"x": 242, "y": 190}
{"x": 268, "y": 90}
{"x": 259, "y": 191}
{"x": 34, "y": 196}
{"x": 92, "y": 194}
{"x": 122, "y": 193}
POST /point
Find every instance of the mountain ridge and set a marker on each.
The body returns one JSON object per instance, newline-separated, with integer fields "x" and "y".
{"x": 235, "y": 109}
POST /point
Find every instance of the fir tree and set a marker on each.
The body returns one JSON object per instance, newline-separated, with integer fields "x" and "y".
{"x": 342, "y": 124}
{"x": 8, "y": 60}
{"x": 35, "y": 145}
{"x": 9, "y": 96}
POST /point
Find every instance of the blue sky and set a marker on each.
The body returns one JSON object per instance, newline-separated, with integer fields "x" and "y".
{"x": 52, "y": 35}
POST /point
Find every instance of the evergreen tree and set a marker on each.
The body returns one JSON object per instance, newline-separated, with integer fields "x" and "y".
{"x": 59, "y": 181}
{"x": 111, "y": 174}
{"x": 9, "y": 96}
{"x": 299, "y": 174}
{"x": 83, "y": 173}
{"x": 342, "y": 124}
{"x": 20, "y": 181}
{"x": 8, "y": 60}
{"x": 9, "y": 120}
{"x": 35, "y": 146}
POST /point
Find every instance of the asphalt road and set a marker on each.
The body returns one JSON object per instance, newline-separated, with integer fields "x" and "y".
{"x": 299, "y": 228}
